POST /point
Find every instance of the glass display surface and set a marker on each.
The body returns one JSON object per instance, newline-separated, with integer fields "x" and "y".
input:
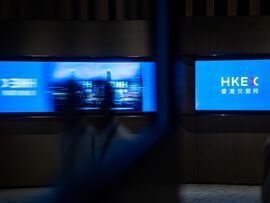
{"x": 35, "y": 86}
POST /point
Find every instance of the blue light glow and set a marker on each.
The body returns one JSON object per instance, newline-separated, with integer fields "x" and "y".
{"x": 33, "y": 86}
{"x": 237, "y": 85}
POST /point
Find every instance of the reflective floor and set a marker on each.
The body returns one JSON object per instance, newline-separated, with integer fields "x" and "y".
{"x": 28, "y": 195}
{"x": 189, "y": 194}
{"x": 221, "y": 194}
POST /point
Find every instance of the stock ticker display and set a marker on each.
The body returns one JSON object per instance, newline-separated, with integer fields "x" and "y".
{"x": 41, "y": 86}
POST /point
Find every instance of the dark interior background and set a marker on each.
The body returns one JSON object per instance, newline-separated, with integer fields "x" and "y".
{"x": 85, "y": 10}
{"x": 215, "y": 148}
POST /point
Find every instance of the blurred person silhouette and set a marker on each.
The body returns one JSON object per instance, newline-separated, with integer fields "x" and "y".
{"x": 79, "y": 136}
{"x": 109, "y": 163}
{"x": 90, "y": 154}
{"x": 73, "y": 125}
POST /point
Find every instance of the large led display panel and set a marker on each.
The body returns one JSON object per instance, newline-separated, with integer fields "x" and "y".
{"x": 41, "y": 86}
{"x": 232, "y": 85}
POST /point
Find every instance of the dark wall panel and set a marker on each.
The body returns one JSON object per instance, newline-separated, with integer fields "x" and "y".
{"x": 219, "y": 30}
{"x": 8, "y": 9}
{"x": 101, "y": 10}
{"x": 49, "y": 10}
{"x": 112, "y": 9}
{"x": 199, "y": 7}
{"x": 37, "y": 10}
{"x": 265, "y": 7}
{"x": 148, "y": 9}
{"x": 133, "y": 10}
{"x": 187, "y": 43}
{"x": 215, "y": 158}
{"x": 81, "y": 39}
{"x": 230, "y": 158}
{"x": 243, "y": 7}
{"x": 229, "y": 35}
{"x": 188, "y": 156}
{"x": 29, "y": 160}
{"x": 81, "y": 9}
{"x": 33, "y": 156}
{"x": 249, "y": 157}
{"x": 252, "y": 35}
{"x": 31, "y": 149}
{"x": 219, "y": 154}
{"x": 221, "y": 7}
{"x": 94, "y": 10}
{"x": 64, "y": 9}
{"x": 254, "y": 8}
{"x": 120, "y": 9}
{"x": 231, "y": 148}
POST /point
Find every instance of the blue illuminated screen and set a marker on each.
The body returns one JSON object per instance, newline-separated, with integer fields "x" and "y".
{"x": 40, "y": 86}
{"x": 232, "y": 85}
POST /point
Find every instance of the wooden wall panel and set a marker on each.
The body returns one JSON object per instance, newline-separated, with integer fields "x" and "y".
{"x": 234, "y": 35}
{"x": 8, "y": 9}
{"x": 210, "y": 6}
{"x": 254, "y": 7}
{"x": 148, "y": 9}
{"x": 76, "y": 39}
{"x": 29, "y": 160}
{"x": 219, "y": 30}
{"x": 249, "y": 157}
{"x": 188, "y": 155}
{"x": 189, "y": 7}
{"x": 120, "y": 10}
{"x": 82, "y": 9}
{"x": 252, "y": 35}
{"x": 232, "y": 8}
{"x": 65, "y": 9}
{"x": 31, "y": 153}
{"x": 222, "y": 158}
{"x": 101, "y": 10}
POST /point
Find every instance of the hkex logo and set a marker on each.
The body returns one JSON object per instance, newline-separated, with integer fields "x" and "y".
{"x": 239, "y": 85}
{"x": 239, "y": 81}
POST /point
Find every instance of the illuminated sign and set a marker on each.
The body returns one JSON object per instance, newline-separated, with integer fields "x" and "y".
{"x": 24, "y": 86}
{"x": 241, "y": 85}
{"x": 239, "y": 81}
{"x": 16, "y": 83}
{"x": 119, "y": 84}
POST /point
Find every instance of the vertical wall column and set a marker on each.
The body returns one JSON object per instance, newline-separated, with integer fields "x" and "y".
{"x": 242, "y": 8}
{"x": 82, "y": 9}
{"x": 232, "y": 8}
{"x": 64, "y": 9}
{"x": 147, "y": 9}
{"x": 132, "y": 9}
{"x": 199, "y": 7}
{"x": 120, "y": 9}
{"x": 254, "y": 7}
{"x": 189, "y": 7}
{"x": 210, "y": 6}
{"x": 49, "y": 9}
{"x": 101, "y": 9}
{"x": 8, "y": 9}
{"x": 36, "y": 10}
{"x": 265, "y": 7}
